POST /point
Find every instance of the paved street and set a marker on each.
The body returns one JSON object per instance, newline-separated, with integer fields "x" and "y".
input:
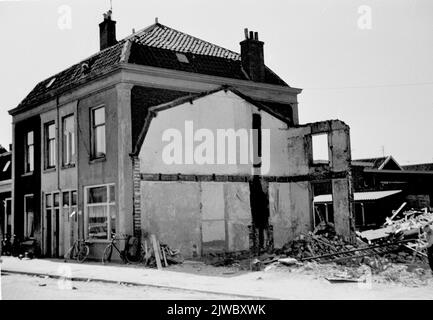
{"x": 24, "y": 287}
{"x": 280, "y": 283}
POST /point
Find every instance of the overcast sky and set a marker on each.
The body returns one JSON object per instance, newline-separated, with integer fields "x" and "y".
{"x": 374, "y": 74}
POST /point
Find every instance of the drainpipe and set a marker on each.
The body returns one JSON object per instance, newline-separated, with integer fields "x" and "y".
{"x": 58, "y": 146}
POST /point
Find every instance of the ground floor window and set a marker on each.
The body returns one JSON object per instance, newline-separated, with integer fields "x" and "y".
{"x": 7, "y": 217}
{"x": 69, "y": 205}
{"x": 29, "y": 216}
{"x": 101, "y": 211}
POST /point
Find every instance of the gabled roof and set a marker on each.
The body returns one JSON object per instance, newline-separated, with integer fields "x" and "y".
{"x": 380, "y": 163}
{"x": 182, "y": 99}
{"x": 156, "y": 46}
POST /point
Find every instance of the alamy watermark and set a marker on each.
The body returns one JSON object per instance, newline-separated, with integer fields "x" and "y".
{"x": 217, "y": 147}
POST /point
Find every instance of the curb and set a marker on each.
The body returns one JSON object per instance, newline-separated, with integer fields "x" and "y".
{"x": 82, "y": 279}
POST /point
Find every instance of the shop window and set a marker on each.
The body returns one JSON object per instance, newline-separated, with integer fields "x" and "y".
{"x": 101, "y": 212}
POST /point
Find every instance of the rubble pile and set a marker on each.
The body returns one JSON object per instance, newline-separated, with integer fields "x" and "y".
{"x": 384, "y": 272}
{"x": 407, "y": 227}
{"x": 311, "y": 245}
{"x": 412, "y": 221}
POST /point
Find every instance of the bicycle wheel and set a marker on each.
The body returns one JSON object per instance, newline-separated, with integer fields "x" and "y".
{"x": 83, "y": 253}
{"x": 106, "y": 257}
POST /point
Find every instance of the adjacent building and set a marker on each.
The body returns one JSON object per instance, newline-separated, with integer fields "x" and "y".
{"x": 381, "y": 185}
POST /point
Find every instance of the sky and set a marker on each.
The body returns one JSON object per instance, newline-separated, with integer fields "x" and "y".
{"x": 367, "y": 63}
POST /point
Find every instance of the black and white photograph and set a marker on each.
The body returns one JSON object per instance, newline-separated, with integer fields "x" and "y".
{"x": 225, "y": 153}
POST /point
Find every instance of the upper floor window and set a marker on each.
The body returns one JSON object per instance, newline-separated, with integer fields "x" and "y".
{"x": 29, "y": 152}
{"x": 98, "y": 132}
{"x": 68, "y": 140}
{"x": 50, "y": 145}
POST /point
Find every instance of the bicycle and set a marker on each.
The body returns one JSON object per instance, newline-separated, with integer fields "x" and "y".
{"x": 79, "y": 251}
{"x": 108, "y": 251}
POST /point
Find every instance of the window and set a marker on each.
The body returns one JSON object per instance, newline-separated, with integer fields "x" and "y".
{"x": 29, "y": 215}
{"x": 182, "y": 58}
{"x": 29, "y": 152}
{"x": 101, "y": 212}
{"x": 50, "y": 145}
{"x": 98, "y": 132}
{"x": 69, "y": 202}
{"x": 8, "y": 216}
{"x": 68, "y": 140}
{"x": 320, "y": 148}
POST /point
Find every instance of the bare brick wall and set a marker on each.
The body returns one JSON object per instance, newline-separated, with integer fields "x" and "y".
{"x": 137, "y": 195}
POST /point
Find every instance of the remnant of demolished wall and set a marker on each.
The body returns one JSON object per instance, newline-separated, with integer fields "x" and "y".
{"x": 201, "y": 211}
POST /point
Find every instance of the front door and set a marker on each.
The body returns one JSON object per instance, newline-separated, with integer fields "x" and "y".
{"x": 52, "y": 214}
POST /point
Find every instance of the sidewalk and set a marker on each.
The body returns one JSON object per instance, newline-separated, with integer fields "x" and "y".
{"x": 258, "y": 285}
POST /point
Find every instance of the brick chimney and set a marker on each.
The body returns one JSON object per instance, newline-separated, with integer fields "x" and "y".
{"x": 107, "y": 31}
{"x": 252, "y": 56}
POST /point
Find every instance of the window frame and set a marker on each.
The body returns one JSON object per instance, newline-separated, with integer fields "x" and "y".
{"x": 29, "y": 195}
{"x": 47, "y": 141}
{"x": 5, "y": 216}
{"x": 107, "y": 204}
{"x": 27, "y": 146}
{"x": 315, "y": 140}
{"x": 93, "y": 137}
{"x": 73, "y": 154}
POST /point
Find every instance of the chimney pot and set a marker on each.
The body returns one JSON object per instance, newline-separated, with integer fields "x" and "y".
{"x": 252, "y": 56}
{"x": 107, "y": 31}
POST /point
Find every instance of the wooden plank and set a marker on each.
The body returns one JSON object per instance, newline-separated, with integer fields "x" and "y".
{"x": 146, "y": 253}
{"x": 395, "y": 213}
{"x": 343, "y": 280}
{"x": 416, "y": 251}
{"x": 156, "y": 252}
{"x": 165, "y": 257}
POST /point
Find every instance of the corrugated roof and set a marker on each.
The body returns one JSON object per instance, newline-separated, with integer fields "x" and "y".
{"x": 359, "y": 196}
{"x": 153, "y": 46}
